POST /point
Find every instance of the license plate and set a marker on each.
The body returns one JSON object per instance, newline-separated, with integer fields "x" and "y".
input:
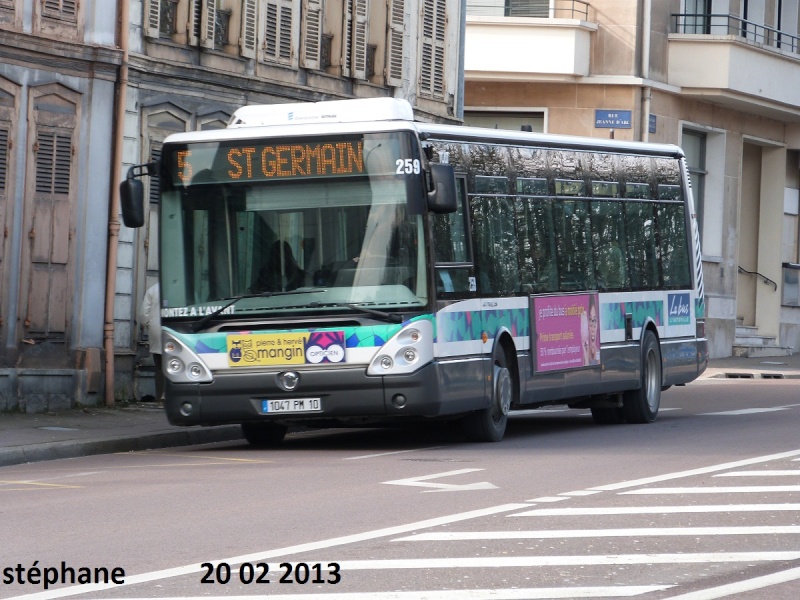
{"x": 291, "y": 405}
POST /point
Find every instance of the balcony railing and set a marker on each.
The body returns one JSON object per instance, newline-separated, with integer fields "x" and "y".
{"x": 563, "y": 9}
{"x": 722, "y": 24}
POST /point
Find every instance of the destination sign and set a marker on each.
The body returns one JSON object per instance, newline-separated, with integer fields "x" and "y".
{"x": 258, "y": 162}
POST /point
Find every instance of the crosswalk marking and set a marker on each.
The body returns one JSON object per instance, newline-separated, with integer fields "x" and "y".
{"x": 451, "y": 536}
{"x": 482, "y": 562}
{"x": 655, "y": 510}
{"x": 752, "y": 489}
{"x": 738, "y": 587}
{"x": 764, "y": 473}
{"x": 487, "y": 594}
{"x": 743, "y": 411}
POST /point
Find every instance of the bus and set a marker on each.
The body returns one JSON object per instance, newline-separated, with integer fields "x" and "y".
{"x": 339, "y": 263}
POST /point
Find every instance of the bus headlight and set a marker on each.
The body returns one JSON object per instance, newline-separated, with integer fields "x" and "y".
{"x": 182, "y": 364}
{"x": 406, "y": 351}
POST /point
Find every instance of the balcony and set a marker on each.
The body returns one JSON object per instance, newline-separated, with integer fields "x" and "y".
{"x": 729, "y": 61}
{"x": 520, "y": 40}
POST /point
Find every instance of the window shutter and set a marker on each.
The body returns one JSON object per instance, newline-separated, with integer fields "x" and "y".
{"x": 278, "y": 26}
{"x": 312, "y": 34}
{"x": 193, "y": 25}
{"x": 60, "y": 9}
{"x": 434, "y": 20}
{"x": 209, "y": 20}
{"x": 394, "y": 43}
{"x": 153, "y": 12}
{"x": 3, "y": 162}
{"x": 359, "y": 40}
{"x": 53, "y": 163}
{"x": 347, "y": 37}
{"x": 249, "y": 29}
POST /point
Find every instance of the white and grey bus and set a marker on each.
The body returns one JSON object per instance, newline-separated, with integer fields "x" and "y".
{"x": 340, "y": 263}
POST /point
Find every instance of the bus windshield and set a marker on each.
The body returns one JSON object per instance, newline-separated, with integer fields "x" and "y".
{"x": 303, "y": 225}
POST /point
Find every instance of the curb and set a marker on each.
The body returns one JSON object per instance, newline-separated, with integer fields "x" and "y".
{"x": 724, "y": 374}
{"x": 76, "y": 448}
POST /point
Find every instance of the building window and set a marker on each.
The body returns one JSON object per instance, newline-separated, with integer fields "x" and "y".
{"x": 432, "y": 55}
{"x": 168, "y": 22}
{"x": 512, "y": 121}
{"x": 694, "y": 145}
{"x": 64, "y": 10}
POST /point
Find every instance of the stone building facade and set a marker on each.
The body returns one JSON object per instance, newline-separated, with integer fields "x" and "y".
{"x": 718, "y": 77}
{"x": 90, "y": 88}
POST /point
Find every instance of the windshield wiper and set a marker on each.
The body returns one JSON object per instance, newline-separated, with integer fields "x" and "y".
{"x": 384, "y": 316}
{"x": 198, "y": 325}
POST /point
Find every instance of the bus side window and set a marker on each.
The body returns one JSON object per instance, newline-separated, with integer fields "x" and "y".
{"x": 537, "y": 245}
{"x": 575, "y": 264}
{"x": 453, "y": 263}
{"x": 496, "y": 255}
{"x": 608, "y": 239}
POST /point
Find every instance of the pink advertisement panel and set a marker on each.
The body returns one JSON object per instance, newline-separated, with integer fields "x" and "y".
{"x": 566, "y": 332}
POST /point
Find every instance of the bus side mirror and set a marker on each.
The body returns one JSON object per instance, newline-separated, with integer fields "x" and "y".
{"x": 442, "y": 198}
{"x": 131, "y": 193}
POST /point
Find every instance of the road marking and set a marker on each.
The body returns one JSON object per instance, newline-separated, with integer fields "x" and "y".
{"x": 549, "y": 499}
{"x": 765, "y": 473}
{"x": 743, "y": 411}
{"x": 270, "y": 554}
{"x": 488, "y": 594}
{"x": 701, "y": 471}
{"x": 748, "y": 585}
{"x": 580, "y": 493}
{"x": 35, "y": 484}
{"x": 656, "y": 510}
{"x": 363, "y": 456}
{"x": 548, "y": 534}
{"x": 748, "y": 489}
{"x": 444, "y": 487}
{"x": 483, "y": 562}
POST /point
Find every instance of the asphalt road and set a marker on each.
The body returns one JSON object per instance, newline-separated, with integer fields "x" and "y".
{"x": 703, "y": 503}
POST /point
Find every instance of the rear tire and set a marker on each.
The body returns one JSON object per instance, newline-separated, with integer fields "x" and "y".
{"x": 264, "y": 435}
{"x": 641, "y": 406}
{"x": 489, "y": 424}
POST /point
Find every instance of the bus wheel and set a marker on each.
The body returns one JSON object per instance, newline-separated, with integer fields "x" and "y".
{"x": 641, "y": 406}
{"x": 264, "y": 435}
{"x": 605, "y": 415}
{"x": 489, "y": 424}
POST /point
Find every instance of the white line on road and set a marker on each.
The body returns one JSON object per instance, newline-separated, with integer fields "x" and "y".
{"x": 656, "y": 510}
{"x": 423, "y": 481}
{"x": 746, "y": 489}
{"x": 701, "y": 471}
{"x": 765, "y": 473}
{"x": 489, "y": 594}
{"x": 743, "y": 411}
{"x": 451, "y": 536}
{"x": 279, "y": 552}
{"x": 380, "y": 454}
{"x": 482, "y": 562}
{"x": 739, "y": 587}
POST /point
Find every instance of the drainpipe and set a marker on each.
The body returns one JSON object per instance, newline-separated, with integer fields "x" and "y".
{"x": 462, "y": 44}
{"x": 123, "y": 11}
{"x": 645, "y": 71}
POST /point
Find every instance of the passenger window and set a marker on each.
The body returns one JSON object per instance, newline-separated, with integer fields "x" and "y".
{"x": 495, "y": 244}
{"x": 573, "y": 234}
{"x": 450, "y": 231}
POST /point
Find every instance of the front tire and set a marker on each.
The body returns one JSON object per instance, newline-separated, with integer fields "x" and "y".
{"x": 641, "y": 406}
{"x": 264, "y": 435}
{"x": 489, "y": 424}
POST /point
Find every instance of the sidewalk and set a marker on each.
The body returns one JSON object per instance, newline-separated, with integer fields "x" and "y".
{"x": 98, "y": 430}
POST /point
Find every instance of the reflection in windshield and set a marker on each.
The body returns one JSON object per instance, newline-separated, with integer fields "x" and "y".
{"x": 347, "y": 240}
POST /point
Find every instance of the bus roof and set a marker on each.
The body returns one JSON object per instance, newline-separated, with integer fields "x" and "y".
{"x": 391, "y": 114}
{"x": 544, "y": 140}
{"x": 333, "y": 111}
